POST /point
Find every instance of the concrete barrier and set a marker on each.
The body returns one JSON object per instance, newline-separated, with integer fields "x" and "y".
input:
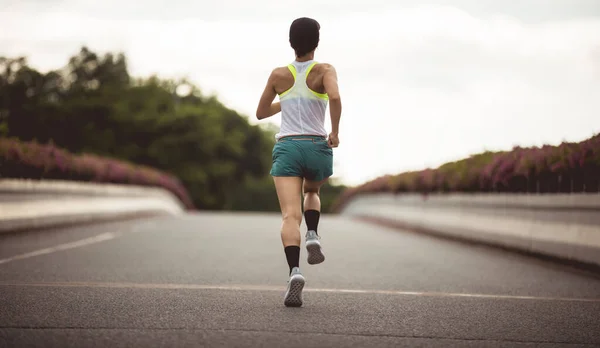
{"x": 29, "y": 204}
{"x": 565, "y": 226}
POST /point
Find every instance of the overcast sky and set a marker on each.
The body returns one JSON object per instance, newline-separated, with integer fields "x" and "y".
{"x": 422, "y": 82}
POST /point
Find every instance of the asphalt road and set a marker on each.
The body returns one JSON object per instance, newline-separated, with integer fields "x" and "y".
{"x": 217, "y": 280}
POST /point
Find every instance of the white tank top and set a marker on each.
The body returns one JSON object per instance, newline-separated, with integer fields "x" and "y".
{"x": 302, "y": 109}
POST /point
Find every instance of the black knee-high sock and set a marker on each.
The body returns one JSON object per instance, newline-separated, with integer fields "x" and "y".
{"x": 292, "y": 254}
{"x": 312, "y": 219}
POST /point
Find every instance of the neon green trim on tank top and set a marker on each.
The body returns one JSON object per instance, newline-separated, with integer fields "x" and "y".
{"x": 323, "y": 96}
{"x": 292, "y": 69}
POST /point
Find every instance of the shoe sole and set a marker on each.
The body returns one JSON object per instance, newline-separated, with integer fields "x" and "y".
{"x": 315, "y": 255}
{"x": 293, "y": 296}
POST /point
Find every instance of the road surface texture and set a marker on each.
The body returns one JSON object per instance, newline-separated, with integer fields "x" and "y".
{"x": 217, "y": 280}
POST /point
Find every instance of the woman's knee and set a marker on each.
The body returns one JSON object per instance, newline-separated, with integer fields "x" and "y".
{"x": 313, "y": 186}
{"x": 292, "y": 216}
{"x": 315, "y": 190}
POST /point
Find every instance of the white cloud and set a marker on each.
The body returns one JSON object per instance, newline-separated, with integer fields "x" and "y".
{"x": 421, "y": 85}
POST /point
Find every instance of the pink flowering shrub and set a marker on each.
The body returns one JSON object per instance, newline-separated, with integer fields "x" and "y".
{"x": 566, "y": 168}
{"x": 30, "y": 160}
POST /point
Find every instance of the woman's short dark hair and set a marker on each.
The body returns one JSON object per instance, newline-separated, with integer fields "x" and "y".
{"x": 304, "y": 35}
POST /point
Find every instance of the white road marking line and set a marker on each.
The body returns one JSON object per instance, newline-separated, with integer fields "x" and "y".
{"x": 281, "y": 288}
{"x": 76, "y": 244}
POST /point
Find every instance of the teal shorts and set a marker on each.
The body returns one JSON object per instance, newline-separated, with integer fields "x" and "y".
{"x": 304, "y": 156}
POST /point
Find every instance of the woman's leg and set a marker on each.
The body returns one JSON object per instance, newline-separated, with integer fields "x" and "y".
{"x": 288, "y": 191}
{"x": 319, "y": 167}
{"x": 312, "y": 202}
{"x": 289, "y": 194}
{"x": 312, "y": 214}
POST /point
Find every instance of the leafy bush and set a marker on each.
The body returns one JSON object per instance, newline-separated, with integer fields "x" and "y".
{"x": 566, "y": 168}
{"x": 31, "y": 160}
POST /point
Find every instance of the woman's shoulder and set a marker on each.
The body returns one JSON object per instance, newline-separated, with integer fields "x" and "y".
{"x": 280, "y": 71}
{"x": 324, "y": 67}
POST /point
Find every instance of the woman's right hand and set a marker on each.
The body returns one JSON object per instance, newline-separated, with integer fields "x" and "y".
{"x": 333, "y": 140}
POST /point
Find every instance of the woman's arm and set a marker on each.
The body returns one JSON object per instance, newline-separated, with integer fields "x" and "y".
{"x": 266, "y": 108}
{"x": 330, "y": 83}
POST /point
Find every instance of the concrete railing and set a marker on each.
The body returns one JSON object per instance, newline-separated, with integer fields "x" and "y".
{"x": 566, "y": 226}
{"x": 28, "y": 204}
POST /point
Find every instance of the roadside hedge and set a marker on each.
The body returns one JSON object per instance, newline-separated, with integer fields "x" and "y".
{"x": 31, "y": 160}
{"x": 567, "y": 168}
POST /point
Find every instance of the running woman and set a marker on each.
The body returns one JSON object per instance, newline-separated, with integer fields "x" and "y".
{"x": 303, "y": 152}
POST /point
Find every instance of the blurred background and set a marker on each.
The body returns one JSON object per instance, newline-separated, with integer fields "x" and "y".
{"x": 164, "y": 93}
